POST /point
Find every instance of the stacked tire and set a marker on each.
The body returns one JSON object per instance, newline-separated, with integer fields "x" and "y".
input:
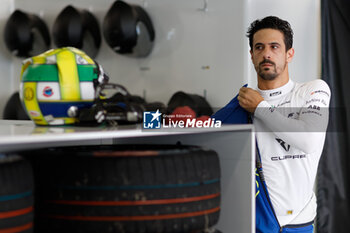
{"x": 16, "y": 195}
{"x": 127, "y": 188}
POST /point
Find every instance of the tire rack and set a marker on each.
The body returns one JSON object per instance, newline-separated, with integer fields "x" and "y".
{"x": 233, "y": 143}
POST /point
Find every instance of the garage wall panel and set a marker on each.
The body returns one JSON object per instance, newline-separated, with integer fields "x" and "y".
{"x": 6, "y": 77}
{"x": 195, "y": 51}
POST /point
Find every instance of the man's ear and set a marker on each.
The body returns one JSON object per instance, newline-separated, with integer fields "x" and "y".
{"x": 251, "y": 54}
{"x": 290, "y": 55}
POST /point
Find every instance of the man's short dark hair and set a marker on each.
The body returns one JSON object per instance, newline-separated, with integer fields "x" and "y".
{"x": 271, "y": 22}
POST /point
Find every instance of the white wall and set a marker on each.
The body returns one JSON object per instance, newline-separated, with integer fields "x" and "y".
{"x": 6, "y": 74}
{"x": 186, "y": 41}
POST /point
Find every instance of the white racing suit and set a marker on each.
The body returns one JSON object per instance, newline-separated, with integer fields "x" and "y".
{"x": 290, "y": 127}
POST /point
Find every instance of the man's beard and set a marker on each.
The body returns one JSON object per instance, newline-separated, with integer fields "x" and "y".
{"x": 267, "y": 76}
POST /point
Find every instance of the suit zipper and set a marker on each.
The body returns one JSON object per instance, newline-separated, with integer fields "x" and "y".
{"x": 262, "y": 178}
{"x": 268, "y": 199}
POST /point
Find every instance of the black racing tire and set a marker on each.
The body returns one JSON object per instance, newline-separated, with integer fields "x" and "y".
{"x": 16, "y": 195}
{"x": 127, "y": 188}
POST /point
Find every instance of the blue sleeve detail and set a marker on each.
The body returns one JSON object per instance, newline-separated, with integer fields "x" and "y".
{"x": 232, "y": 113}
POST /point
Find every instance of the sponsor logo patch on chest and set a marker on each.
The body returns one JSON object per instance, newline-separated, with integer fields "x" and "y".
{"x": 275, "y": 93}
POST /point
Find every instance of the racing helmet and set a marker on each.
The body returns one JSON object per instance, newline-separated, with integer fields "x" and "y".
{"x": 57, "y": 83}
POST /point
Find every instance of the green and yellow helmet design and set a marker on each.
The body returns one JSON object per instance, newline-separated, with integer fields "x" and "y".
{"x": 53, "y": 82}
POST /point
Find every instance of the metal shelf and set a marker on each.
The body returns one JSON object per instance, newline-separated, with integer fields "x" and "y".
{"x": 233, "y": 143}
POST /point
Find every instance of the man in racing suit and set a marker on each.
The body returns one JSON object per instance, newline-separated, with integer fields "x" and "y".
{"x": 290, "y": 120}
